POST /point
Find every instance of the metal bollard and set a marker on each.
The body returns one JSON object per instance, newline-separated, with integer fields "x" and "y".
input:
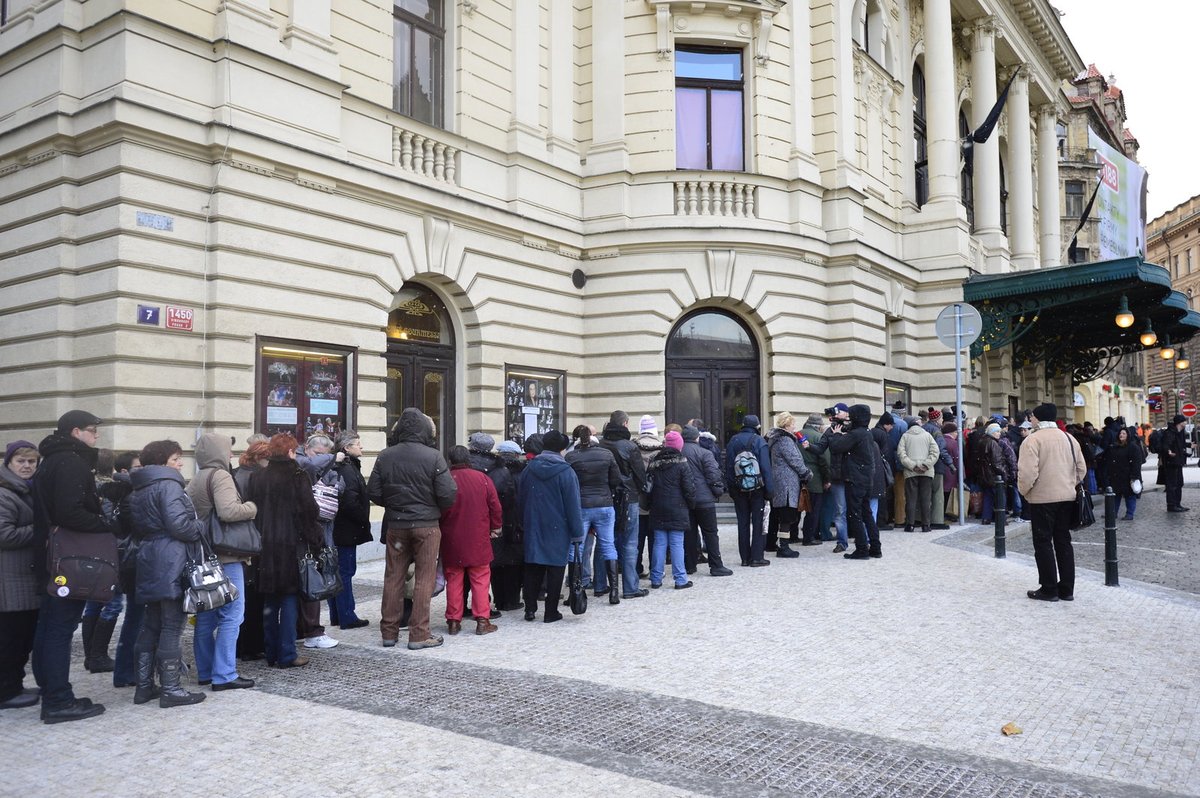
{"x": 1000, "y": 515}
{"x": 1110, "y": 538}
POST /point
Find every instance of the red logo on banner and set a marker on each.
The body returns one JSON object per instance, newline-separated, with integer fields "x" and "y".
{"x": 1109, "y": 174}
{"x": 179, "y": 318}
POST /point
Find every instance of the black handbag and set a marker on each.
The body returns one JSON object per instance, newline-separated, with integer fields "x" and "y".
{"x": 82, "y": 565}
{"x": 231, "y": 538}
{"x": 1083, "y": 514}
{"x": 578, "y": 596}
{"x": 319, "y": 576}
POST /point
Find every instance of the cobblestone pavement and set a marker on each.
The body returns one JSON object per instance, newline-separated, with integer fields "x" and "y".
{"x": 816, "y": 676}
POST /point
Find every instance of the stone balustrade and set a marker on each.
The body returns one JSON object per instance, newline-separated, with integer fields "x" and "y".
{"x": 425, "y": 156}
{"x": 714, "y": 198}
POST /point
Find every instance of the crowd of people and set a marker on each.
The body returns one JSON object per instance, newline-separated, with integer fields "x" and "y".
{"x": 496, "y": 526}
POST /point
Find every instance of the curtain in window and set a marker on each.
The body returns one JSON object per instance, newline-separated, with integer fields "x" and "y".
{"x": 691, "y": 129}
{"x": 727, "y": 131}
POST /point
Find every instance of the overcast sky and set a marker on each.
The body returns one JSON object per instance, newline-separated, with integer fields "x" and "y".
{"x": 1152, "y": 49}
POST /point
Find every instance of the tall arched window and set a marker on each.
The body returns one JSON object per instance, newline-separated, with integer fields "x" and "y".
{"x": 966, "y": 179}
{"x": 920, "y": 137}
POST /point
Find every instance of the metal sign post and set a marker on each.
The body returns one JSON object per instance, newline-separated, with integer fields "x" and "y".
{"x": 957, "y": 327}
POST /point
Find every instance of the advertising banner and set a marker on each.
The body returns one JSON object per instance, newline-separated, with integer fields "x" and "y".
{"x": 1120, "y": 203}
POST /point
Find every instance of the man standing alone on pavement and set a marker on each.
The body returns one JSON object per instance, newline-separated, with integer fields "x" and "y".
{"x": 64, "y": 491}
{"x": 1051, "y": 466}
{"x": 412, "y": 482}
{"x": 1172, "y": 457}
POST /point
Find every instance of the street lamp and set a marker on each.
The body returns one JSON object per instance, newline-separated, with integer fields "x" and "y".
{"x": 1182, "y": 362}
{"x": 1166, "y": 353}
{"x": 1148, "y": 336}
{"x": 1124, "y": 317}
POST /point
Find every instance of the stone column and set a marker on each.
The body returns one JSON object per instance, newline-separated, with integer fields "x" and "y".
{"x": 803, "y": 163}
{"x": 987, "y": 155}
{"x": 1020, "y": 190}
{"x": 941, "y": 106}
{"x": 524, "y": 131}
{"x": 1048, "y": 187}
{"x": 607, "y": 152}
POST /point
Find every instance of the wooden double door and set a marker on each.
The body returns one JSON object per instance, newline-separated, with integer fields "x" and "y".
{"x": 720, "y": 394}
{"x": 425, "y": 380}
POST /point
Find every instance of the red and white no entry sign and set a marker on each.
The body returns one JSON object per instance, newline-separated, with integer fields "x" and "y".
{"x": 1188, "y": 410}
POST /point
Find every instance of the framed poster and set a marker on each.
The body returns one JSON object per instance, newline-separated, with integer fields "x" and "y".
{"x": 303, "y": 389}
{"x": 534, "y": 401}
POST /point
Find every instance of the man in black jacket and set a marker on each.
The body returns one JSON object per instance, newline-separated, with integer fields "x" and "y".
{"x": 64, "y": 490}
{"x": 1172, "y": 457}
{"x": 709, "y": 487}
{"x": 749, "y": 503}
{"x": 616, "y": 439}
{"x": 858, "y": 469}
{"x": 411, "y": 480}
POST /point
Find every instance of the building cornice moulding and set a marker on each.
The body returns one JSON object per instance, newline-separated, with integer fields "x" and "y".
{"x": 754, "y": 20}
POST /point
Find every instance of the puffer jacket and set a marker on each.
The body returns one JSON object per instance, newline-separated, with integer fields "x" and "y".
{"x": 411, "y": 479}
{"x": 352, "y": 524}
{"x": 18, "y": 585}
{"x": 857, "y": 450}
{"x": 748, "y": 440}
{"x": 165, "y": 521}
{"x": 787, "y": 468}
{"x": 616, "y": 439}
{"x": 599, "y": 476}
{"x": 212, "y": 461}
{"x": 710, "y": 483}
{"x": 672, "y": 491}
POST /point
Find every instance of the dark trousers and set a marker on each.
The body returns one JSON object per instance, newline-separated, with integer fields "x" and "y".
{"x": 341, "y": 606}
{"x": 787, "y": 520}
{"x": 56, "y": 625}
{"x": 309, "y": 623}
{"x": 691, "y": 545}
{"x": 506, "y": 586}
{"x": 162, "y": 629}
{"x": 704, "y": 522}
{"x": 645, "y": 541}
{"x": 250, "y": 644}
{"x": 16, "y": 642}
{"x": 1052, "y": 550}
{"x": 535, "y": 576}
{"x": 917, "y": 492}
{"x": 749, "y": 507}
{"x": 860, "y": 521}
{"x": 1173, "y": 480}
{"x": 812, "y": 519}
{"x": 126, "y": 656}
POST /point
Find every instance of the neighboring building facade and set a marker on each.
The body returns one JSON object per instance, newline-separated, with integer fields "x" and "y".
{"x": 515, "y": 215}
{"x": 1173, "y": 240}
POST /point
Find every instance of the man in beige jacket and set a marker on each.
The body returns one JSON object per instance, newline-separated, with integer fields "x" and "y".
{"x": 917, "y": 452}
{"x": 1050, "y": 466}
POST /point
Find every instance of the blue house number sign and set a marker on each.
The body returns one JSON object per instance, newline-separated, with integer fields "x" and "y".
{"x": 147, "y": 314}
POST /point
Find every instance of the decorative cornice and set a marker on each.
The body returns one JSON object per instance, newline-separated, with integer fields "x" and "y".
{"x": 761, "y": 12}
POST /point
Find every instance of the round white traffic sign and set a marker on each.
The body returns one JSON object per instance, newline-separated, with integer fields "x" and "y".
{"x": 958, "y": 325}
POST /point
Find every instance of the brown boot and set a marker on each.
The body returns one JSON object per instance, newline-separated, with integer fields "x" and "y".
{"x": 484, "y": 626}
{"x": 454, "y": 627}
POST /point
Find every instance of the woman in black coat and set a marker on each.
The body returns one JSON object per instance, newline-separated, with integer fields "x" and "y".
{"x": 672, "y": 497}
{"x": 165, "y": 523}
{"x": 509, "y": 548}
{"x": 290, "y": 524}
{"x": 1124, "y": 465}
{"x": 250, "y": 635}
{"x": 351, "y": 527}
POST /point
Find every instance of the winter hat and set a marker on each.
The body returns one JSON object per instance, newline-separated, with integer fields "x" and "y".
{"x": 76, "y": 419}
{"x": 912, "y": 421}
{"x": 690, "y": 433}
{"x": 1045, "y": 412}
{"x": 1178, "y": 420}
{"x": 935, "y": 415}
{"x": 12, "y": 448}
{"x": 508, "y": 447}
{"x": 860, "y": 415}
{"x": 993, "y": 430}
{"x": 1026, "y": 425}
{"x": 534, "y": 444}
{"x": 898, "y": 404}
{"x": 647, "y": 426}
{"x": 815, "y": 420}
{"x": 674, "y": 440}
{"x": 555, "y": 441}
{"x": 480, "y": 442}
{"x": 887, "y": 420}
{"x": 750, "y": 421}
{"x": 841, "y": 407}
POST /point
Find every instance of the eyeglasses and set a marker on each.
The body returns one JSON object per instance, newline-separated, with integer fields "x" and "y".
{"x": 92, "y": 430}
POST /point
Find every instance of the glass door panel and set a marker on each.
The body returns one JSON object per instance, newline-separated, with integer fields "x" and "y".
{"x": 735, "y": 405}
{"x": 433, "y": 402}
{"x": 688, "y": 400}
{"x": 396, "y": 394}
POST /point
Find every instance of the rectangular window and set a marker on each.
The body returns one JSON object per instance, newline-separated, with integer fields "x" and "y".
{"x": 1082, "y": 255}
{"x": 1188, "y": 261}
{"x": 896, "y": 392}
{"x": 303, "y": 388}
{"x": 534, "y": 401}
{"x": 418, "y": 68}
{"x": 1074, "y": 191}
{"x": 709, "y": 109}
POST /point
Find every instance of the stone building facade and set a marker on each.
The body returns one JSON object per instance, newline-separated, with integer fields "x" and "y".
{"x": 1173, "y": 240}
{"x": 516, "y": 214}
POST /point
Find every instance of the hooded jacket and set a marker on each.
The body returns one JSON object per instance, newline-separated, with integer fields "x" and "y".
{"x": 705, "y": 471}
{"x": 467, "y": 525}
{"x": 410, "y": 479}
{"x": 749, "y": 440}
{"x": 548, "y": 504}
{"x": 918, "y": 452}
{"x": 672, "y": 491}
{"x": 817, "y": 462}
{"x": 616, "y": 439}
{"x": 788, "y": 469}
{"x": 18, "y": 585}
{"x": 212, "y": 459}
{"x": 165, "y": 521}
{"x": 64, "y": 492}
{"x": 857, "y": 450}
{"x": 599, "y": 476}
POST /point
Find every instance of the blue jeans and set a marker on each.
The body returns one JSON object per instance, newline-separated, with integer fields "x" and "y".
{"x": 107, "y": 611}
{"x": 627, "y": 546}
{"x": 341, "y": 606}
{"x": 874, "y": 502}
{"x": 658, "y": 557}
{"x": 215, "y": 643}
{"x": 1130, "y": 504}
{"x": 837, "y": 491}
{"x": 603, "y": 520}
{"x": 1090, "y": 482}
{"x": 279, "y": 627}
{"x": 126, "y": 656}
{"x": 57, "y": 620}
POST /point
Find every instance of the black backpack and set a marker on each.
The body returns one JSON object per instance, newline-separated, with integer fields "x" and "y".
{"x": 1155, "y": 440}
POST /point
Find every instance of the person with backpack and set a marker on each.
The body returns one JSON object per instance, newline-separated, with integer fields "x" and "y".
{"x": 748, "y": 475}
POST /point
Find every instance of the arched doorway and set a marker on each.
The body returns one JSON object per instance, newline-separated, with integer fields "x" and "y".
{"x": 712, "y": 372}
{"x": 420, "y": 359}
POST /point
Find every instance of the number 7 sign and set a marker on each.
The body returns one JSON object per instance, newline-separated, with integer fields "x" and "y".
{"x": 147, "y": 314}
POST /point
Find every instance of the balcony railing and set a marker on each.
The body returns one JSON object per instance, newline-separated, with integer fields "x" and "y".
{"x": 425, "y": 156}
{"x": 715, "y": 198}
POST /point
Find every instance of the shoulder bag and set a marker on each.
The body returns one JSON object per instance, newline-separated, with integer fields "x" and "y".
{"x": 1083, "y": 514}
{"x": 206, "y": 585}
{"x": 578, "y": 598}
{"x": 319, "y": 577}
{"x": 231, "y": 538}
{"x": 82, "y": 565}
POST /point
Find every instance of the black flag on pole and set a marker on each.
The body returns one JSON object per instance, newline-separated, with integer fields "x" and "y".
{"x": 984, "y": 131}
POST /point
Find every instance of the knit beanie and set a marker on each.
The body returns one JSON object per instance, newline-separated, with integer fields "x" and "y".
{"x": 508, "y": 447}
{"x": 1046, "y": 412}
{"x": 690, "y": 433}
{"x": 674, "y": 440}
{"x": 992, "y": 430}
{"x": 11, "y": 450}
{"x": 935, "y": 415}
{"x": 887, "y": 420}
{"x": 534, "y": 444}
{"x": 555, "y": 441}
{"x": 647, "y": 426}
{"x": 480, "y": 442}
